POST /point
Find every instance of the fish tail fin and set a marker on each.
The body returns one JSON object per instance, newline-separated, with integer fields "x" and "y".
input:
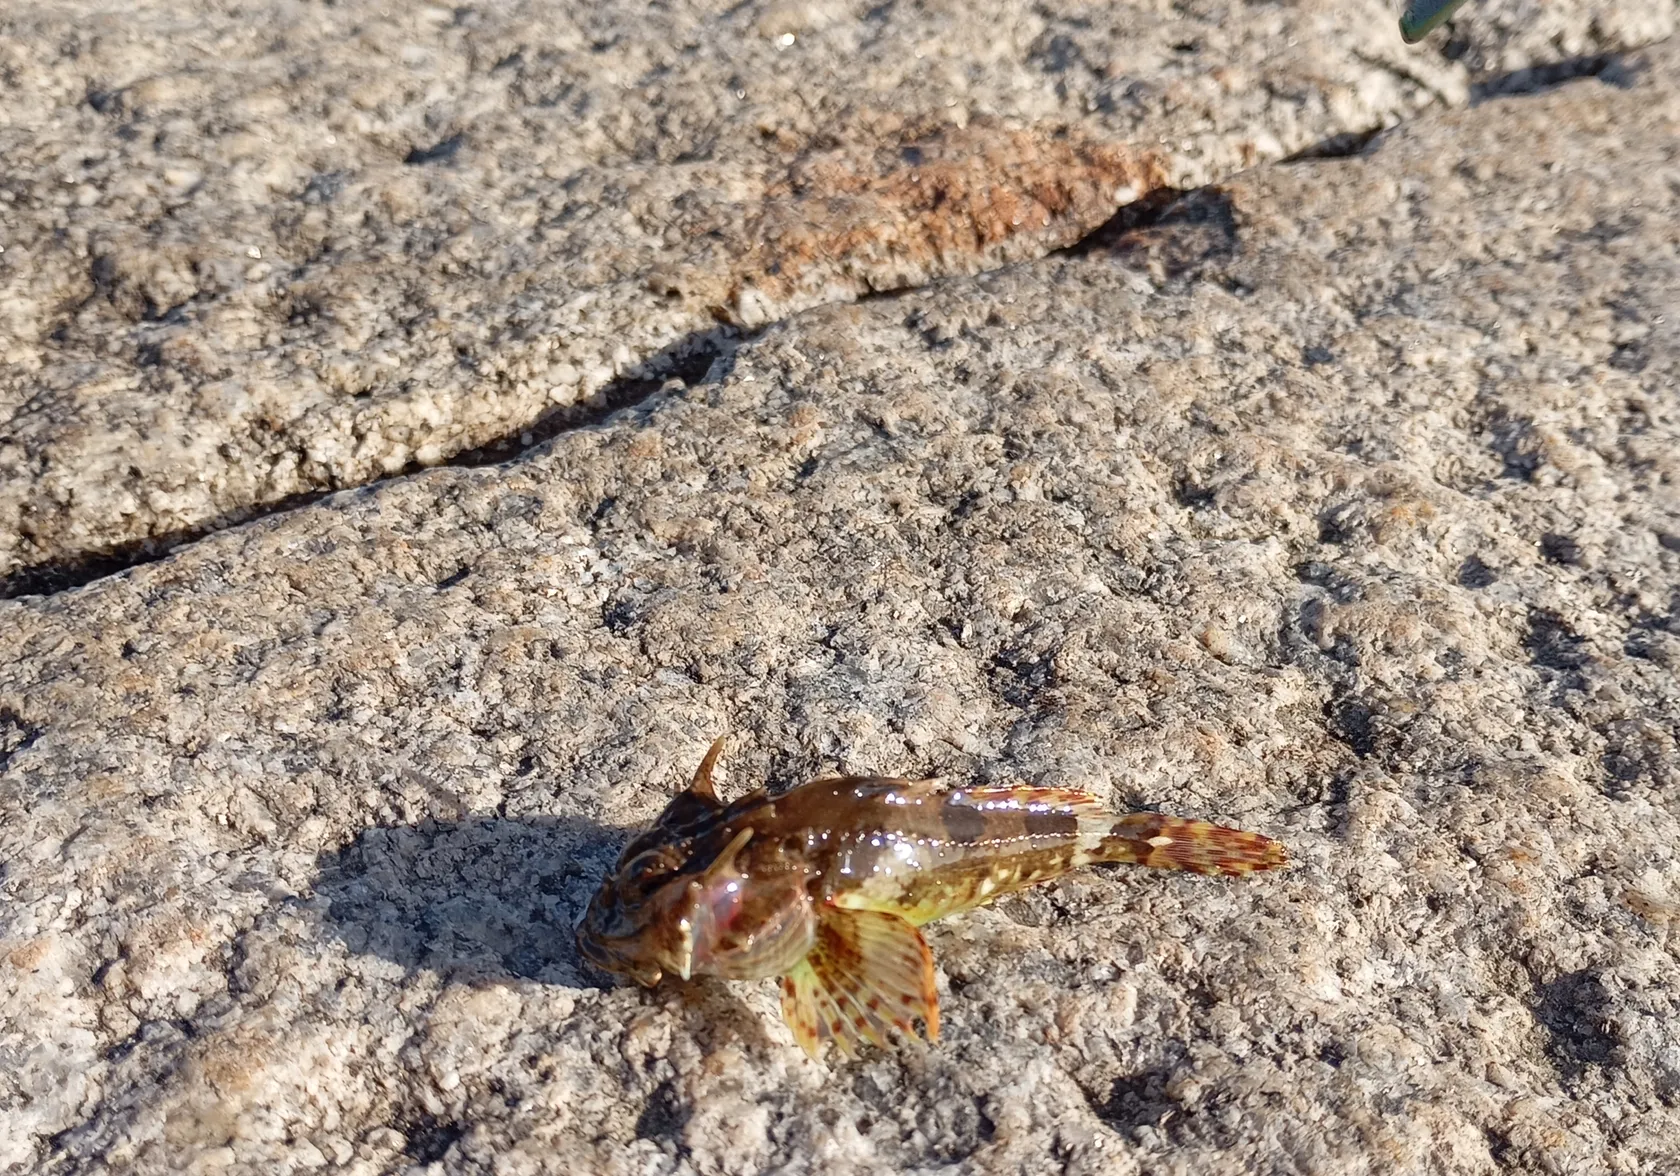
{"x": 868, "y": 974}
{"x": 1173, "y": 843}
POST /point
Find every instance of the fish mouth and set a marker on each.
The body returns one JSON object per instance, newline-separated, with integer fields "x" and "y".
{"x": 603, "y": 956}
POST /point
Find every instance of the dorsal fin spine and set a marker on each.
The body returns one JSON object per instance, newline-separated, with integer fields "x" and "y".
{"x": 701, "y": 784}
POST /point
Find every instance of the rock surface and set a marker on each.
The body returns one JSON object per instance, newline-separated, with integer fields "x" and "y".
{"x": 1339, "y": 502}
{"x": 259, "y": 251}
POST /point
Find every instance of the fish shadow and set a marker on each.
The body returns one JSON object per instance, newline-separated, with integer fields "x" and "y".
{"x": 477, "y": 901}
{"x": 490, "y": 901}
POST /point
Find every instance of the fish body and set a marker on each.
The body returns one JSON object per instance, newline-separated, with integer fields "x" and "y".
{"x": 825, "y": 886}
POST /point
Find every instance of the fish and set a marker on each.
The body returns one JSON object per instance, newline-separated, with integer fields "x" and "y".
{"x": 1423, "y": 17}
{"x": 827, "y": 885}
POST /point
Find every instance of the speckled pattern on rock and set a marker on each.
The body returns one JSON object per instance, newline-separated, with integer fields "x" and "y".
{"x": 1339, "y": 503}
{"x": 261, "y": 250}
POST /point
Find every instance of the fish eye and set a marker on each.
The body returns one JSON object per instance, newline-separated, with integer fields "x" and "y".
{"x": 645, "y": 866}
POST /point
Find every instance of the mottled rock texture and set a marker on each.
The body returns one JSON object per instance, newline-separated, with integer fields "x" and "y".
{"x": 257, "y": 251}
{"x": 1338, "y": 502}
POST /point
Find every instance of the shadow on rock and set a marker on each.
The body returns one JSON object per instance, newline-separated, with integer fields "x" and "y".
{"x": 474, "y": 900}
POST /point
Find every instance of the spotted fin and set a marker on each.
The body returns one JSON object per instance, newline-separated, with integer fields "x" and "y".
{"x": 867, "y": 974}
{"x": 1172, "y": 843}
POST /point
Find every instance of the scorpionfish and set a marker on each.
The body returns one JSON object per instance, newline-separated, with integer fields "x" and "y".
{"x": 825, "y": 886}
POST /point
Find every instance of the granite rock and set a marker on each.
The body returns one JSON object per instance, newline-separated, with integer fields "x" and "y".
{"x": 1337, "y": 501}
{"x": 254, "y": 252}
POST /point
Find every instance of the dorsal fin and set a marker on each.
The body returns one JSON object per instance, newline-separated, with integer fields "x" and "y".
{"x": 866, "y": 785}
{"x": 701, "y": 785}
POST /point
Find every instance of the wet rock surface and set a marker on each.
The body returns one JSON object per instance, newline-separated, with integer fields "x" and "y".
{"x": 258, "y": 252}
{"x": 1337, "y": 501}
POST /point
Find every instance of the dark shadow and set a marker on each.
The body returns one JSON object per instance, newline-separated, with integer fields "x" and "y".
{"x": 16, "y": 734}
{"x": 1576, "y": 1011}
{"x": 1344, "y": 145}
{"x": 1140, "y": 213}
{"x": 1477, "y": 573}
{"x": 491, "y": 901}
{"x": 664, "y": 1114}
{"x": 1353, "y": 721}
{"x": 1136, "y": 1101}
{"x": 686, "y": 362}
{"x": 1560, "y": 549}
{"x": 1139, "y": 1104}
{"x": 84, "y": 567}
{"x": 1643, "y": 638}
{"x": 480, "y": 900}
{"x": 1554, "y": 645}
{"x": 1179, "y": 232}
{"x": 1610, "y": 68}
{"x": 440, "y": 152}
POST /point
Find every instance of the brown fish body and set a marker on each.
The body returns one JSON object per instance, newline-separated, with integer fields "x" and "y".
{"x": 826, "y": 884}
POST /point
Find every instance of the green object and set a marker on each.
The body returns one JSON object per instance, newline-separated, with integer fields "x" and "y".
{"x": 1423, "y": 17}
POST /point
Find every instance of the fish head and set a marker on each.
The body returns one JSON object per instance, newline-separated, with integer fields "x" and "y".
{"x": 641, "y": 922}
{"x": 638, "y": 923}
{"x": 685, "y": 898}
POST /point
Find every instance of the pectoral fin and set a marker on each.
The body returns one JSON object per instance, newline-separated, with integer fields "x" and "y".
{"x": 867, "y": 973}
